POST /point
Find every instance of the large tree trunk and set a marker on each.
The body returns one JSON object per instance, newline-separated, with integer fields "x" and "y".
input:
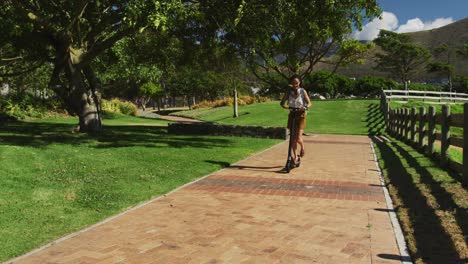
{"x": 85, "y": 104}
{"x": 81, "y": 97}
{"x": 90, "y": 120}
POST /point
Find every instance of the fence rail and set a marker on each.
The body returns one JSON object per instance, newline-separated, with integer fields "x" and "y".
{"x": 424, "y": 95}
{"x": 419, "y": 128}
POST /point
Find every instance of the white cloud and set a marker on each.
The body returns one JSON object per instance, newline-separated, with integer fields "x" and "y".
{"x": 411, "y": 25}
{"x": 389, "y": 21}
{"x": 416, "y": 24}
{"x": 370, "y": 31}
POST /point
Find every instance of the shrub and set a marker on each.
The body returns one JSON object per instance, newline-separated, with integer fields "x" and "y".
{"x": 117, "y": 106}
{"x": 330, "y": 85}
{"x": 27, "y": 106}
{"x": 229, "y": 101}
{"x": 460, "y": 84}
{"x": 371, "y": 85}
{"x": 421, "y": 87}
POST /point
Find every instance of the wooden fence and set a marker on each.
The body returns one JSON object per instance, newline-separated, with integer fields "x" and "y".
{"x": 425, "y": 95}
{"x": 417, "y": 127}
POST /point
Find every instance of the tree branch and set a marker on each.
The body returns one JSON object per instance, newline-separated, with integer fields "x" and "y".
{"x": 78, "y": 15}
{"x": 33, "y": 15}
{"x": 22, "y": 72}
{"x": 100, "y": 26}
{"x": 11, "y": 59}
{"x": 102, "y": 46}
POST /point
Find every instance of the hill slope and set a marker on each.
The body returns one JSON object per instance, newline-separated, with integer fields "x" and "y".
{"x": 455, "y": 35}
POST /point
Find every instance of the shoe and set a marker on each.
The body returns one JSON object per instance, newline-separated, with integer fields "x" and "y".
{"x": 298, "y": 162}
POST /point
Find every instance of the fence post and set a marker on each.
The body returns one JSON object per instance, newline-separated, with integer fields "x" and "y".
{"x": 431, "y": 132}
{"x": 413, "y": 125}
{"x": 398, "y": 125}
{"x": 422, "y": 124}
{"x": 402, "y": 123}
{"x": 445, "y": 130}
{"x": 387, "y": 113}
{"x": 390, "y": 122}
{"x": 407, "y": 122}
{"x": 382, "y": 100}
{"x": 465, "y": 145}
{"x": 395, "y": 122}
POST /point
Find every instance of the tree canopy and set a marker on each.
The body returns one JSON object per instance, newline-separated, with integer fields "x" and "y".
{"x": 400, "y": 57}
{"x": 290, "y": 37}
{"x": 136, "y": 42}
{"x": 71, "y": 34}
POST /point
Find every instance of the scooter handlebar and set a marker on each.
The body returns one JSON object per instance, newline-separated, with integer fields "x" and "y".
{"x": 297, "y": 108}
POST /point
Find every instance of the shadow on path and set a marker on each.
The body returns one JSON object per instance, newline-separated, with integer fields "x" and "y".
{"x": 243, "y": 167}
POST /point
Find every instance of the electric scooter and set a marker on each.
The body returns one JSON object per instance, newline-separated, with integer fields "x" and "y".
{"x": 290, "y": 164}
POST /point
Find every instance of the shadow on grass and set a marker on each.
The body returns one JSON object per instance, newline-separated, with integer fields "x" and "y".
{"x": 374, "y": 120}
{"x": 432, "y": 241}
{"x": 42, "y": 134}
{"x": 167, "y": 112}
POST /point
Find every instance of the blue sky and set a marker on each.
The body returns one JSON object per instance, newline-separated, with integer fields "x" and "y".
{"x": 414, "y": 15}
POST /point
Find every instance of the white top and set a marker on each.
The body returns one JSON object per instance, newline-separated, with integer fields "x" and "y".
{"x": 296, "y": 101}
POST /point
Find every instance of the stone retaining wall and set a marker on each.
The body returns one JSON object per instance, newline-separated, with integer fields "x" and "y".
{"x": 228, "y": 130}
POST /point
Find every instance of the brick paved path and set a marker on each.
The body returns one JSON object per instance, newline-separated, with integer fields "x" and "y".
{"x": 329, "y": 210}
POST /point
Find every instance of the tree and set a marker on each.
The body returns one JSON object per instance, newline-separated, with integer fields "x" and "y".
{"x": 463, "y": 51}
{"x": 330, "y": 85}
{"x": 147, "y": 92}
{"x": 284, "y": 37}
{"x": 127, "y": 66}
{"x": 71, "y": 34}
{"x": 446, "y": 67}
{"x": 401, "y": 58}
{"x": 372, "y": 85}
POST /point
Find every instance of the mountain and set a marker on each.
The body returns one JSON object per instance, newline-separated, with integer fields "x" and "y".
{"x": 455, "y": 35}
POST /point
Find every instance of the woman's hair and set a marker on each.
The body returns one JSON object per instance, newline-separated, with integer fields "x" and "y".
{"x": 296, "y": 76}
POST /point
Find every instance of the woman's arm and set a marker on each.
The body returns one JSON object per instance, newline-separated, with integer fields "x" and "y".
{"x": 309, "y": 104}
{"x": 284, "y": 100}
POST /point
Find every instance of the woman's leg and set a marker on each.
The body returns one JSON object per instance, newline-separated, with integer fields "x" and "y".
{"x": 296, "y": 138}
{"x": 294, "y": 148}
{"x": 300, "y": 141}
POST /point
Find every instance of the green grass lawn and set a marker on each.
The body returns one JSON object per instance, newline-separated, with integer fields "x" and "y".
{"x": 53, "y": 182}
{"x": 325, "y": 116}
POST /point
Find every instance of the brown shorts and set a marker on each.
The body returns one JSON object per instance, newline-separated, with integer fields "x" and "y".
{"x": 300, "y": 122}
